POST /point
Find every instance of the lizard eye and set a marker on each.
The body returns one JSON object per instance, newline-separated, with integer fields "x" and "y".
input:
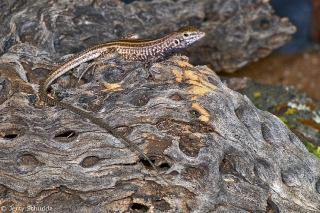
{"x": 186, "y": 35}
{"x": 176, "y": 41}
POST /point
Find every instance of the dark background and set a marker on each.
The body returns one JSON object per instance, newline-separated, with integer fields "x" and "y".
{"x": 297, "y": 63}
{"x": 299, "y": 13}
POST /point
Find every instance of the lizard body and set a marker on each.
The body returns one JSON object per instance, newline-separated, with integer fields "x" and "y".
{"x": 129, "y": 47}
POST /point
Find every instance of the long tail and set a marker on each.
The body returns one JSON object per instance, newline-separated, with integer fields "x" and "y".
{"x": 114, "y": 132}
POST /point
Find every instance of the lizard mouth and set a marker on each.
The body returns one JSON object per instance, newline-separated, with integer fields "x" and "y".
{"x": 195, "y": 37}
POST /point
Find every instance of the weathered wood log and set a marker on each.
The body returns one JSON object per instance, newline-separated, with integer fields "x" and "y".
{"x": 218, "y": 152}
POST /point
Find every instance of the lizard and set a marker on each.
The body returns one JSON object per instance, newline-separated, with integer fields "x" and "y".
{"x": 131, "y": 48}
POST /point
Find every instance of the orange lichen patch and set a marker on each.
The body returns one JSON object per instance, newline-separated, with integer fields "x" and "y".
{"x": 199, "y": 85}
{"x": 206, "y": 83}
{"x": 189, "y": 74}
{"x": 204, "y": 114}
{"x": 194, "y": 98}
{"x": 109, "y": 87}
{"x": 311, "y": 123}
{"x": 178, "y": 75}
{"x": 198, "y": 88}
{"x": 183, "y": 63}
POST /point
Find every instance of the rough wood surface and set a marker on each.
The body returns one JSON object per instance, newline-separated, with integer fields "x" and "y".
{"x": 217, "y": 151}
{"x": 294, "y": 108}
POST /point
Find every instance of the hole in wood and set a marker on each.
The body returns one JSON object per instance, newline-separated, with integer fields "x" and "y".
{"x": 226, "y": 166}
{"x": 66, "y": 136}
{"x": 194, "y": 113}
{"x": 141, "y": 100}
{"x": 272, "y": 207}
{"x": 139, "y": 207}
{"x": 176, "y": 97}
{"x": 89, "y": 161}
{"x": 10, "y": 134}
{"x": 146, "y": 163}
{"x": 3, "y": 191}
{"x": 165, "y": 165}
{"x": 28, "y": 160}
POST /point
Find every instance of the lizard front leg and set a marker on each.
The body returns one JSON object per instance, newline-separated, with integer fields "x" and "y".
{"x": 148, "y": 64}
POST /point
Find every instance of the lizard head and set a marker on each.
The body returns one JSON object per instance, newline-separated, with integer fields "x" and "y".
{"x": 185, "y": 36}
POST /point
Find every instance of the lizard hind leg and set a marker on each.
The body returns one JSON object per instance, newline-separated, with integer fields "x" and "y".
{"x": 99, "y": 61}
{"x": 93, "y": 64}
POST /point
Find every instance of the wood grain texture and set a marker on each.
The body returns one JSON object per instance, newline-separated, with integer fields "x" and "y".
{"x": 218, "y": 152}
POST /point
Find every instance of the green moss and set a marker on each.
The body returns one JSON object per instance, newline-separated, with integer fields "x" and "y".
{"x": 313, "y": 149}
{"x": 284, "y": 119}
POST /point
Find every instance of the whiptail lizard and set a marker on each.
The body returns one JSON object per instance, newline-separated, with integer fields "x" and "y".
{"x": 130, "y": 47}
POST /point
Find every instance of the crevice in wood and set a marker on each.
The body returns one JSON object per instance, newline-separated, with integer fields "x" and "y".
{"x": 139, "y": 207}
{"x": 67, "y": 136}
